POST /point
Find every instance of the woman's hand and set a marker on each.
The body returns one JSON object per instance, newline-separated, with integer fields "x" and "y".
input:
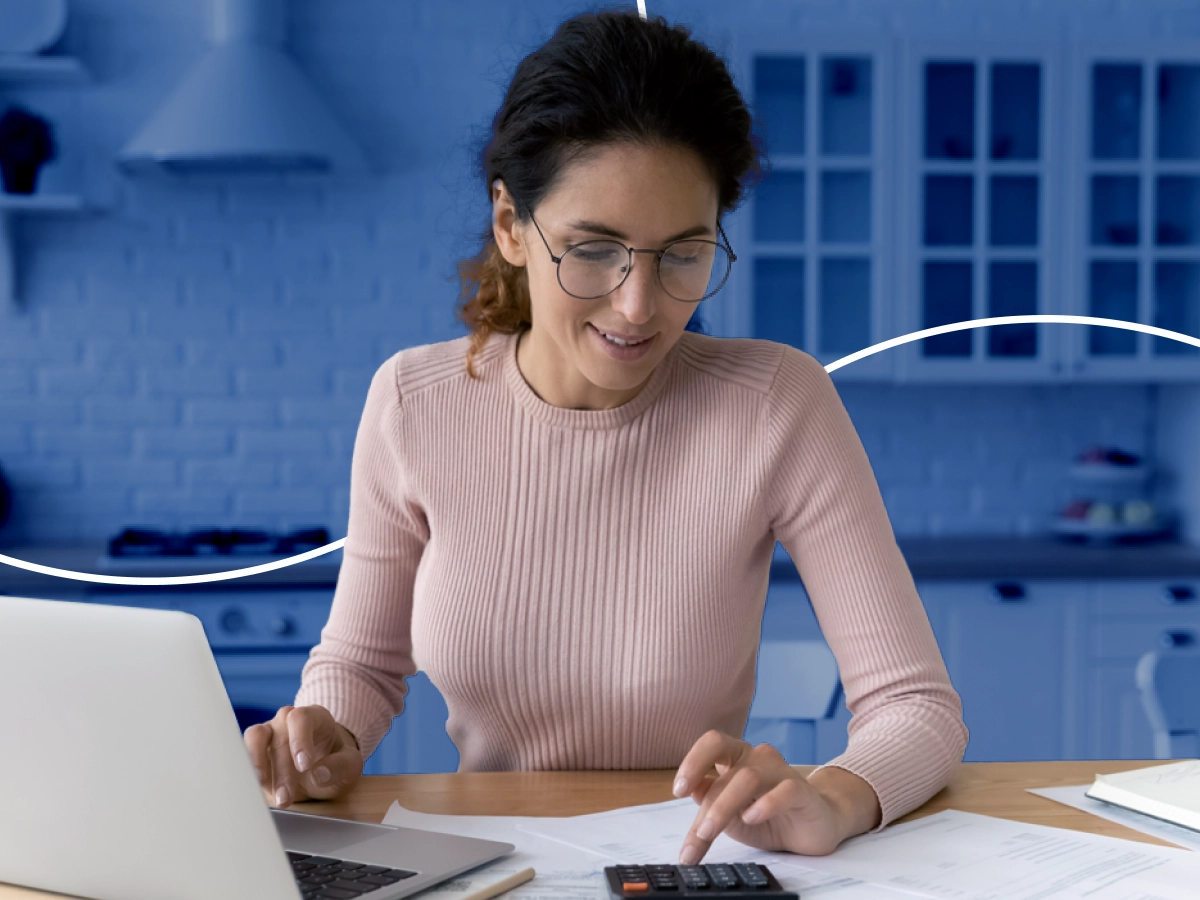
{"x": 758, "y": 799}
{"x": 302, "y": 754}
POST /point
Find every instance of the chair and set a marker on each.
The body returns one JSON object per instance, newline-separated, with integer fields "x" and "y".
{"x": 1169, "y": 682}
{"x": 798, "y": 686}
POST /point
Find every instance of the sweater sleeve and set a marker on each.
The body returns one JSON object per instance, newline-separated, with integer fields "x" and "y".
{"x": 357, "y": 670}
{"x": 906, "y": 732}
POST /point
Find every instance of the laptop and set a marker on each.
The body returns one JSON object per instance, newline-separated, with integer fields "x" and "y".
{"x": 126, "y": 776}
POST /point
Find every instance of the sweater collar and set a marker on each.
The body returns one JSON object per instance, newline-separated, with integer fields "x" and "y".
{"x": 584, "y": 418}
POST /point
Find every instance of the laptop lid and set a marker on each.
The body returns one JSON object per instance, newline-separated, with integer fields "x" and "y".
{"x": 125, "y": 774}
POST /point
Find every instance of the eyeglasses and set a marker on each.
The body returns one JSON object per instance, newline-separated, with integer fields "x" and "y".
{"x": 689, "y": 270}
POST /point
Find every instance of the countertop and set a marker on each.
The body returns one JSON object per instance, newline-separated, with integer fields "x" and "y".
{"x": 928, "y": 559}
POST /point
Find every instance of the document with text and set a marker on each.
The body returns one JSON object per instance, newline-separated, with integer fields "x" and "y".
{"x": 973, "y": 857}
{"x": 1076, "y": 795}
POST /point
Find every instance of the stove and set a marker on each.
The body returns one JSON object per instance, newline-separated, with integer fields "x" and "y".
{"x": 138, "y": 549}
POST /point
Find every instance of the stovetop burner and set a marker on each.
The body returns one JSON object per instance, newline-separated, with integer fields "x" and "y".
{"x": 142, "y": 542}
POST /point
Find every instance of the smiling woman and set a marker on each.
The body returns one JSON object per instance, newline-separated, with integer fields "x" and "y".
{"x": 573, "y": 532}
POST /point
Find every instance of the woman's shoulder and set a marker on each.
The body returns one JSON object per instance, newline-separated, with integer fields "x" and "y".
{"x": 420, "y": 366}
{"x": 754, "y": 363}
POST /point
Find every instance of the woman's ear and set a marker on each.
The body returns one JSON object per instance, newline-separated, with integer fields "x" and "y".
{"x": 504, "y": 225}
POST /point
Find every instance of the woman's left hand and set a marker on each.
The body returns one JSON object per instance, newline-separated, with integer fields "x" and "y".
{"x": 759, "y": 800}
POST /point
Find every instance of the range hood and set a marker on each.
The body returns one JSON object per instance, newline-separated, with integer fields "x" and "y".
{"x": 244, "y": 107}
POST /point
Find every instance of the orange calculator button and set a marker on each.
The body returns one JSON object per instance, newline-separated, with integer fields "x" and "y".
{"x": 636, "y": 886}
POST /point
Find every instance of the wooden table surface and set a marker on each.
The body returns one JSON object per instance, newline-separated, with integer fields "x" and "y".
{"x": 993, "y": 789}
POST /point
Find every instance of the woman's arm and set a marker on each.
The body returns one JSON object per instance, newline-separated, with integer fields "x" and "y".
{"x": 906, "y": 734}
{"x": 357, "y": 670}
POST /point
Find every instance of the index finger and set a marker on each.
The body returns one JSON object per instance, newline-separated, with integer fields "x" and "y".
{"x": 258, "y": 742}
{"x": 712, "y": 748}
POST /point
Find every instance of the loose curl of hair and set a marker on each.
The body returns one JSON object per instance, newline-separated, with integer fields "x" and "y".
{"x": 606, "y": 77}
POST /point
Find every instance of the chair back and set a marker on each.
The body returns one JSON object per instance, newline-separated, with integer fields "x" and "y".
{"x": 796, "y": 680}
{"x": 1169, "y": 683}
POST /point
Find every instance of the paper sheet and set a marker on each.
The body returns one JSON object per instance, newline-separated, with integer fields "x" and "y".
{"x": 1075, "y": 796}
{"x": 972, "y": 857}
{"x": 562, "y": 872}
{"x": 654, "y": 834}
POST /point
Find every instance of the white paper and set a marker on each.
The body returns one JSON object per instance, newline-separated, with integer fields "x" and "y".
{"x": 562, "y": 872}
{"x": 972, "y": 857}
{"x": 1075, "y": 796}
{"x": 654, "y": 833}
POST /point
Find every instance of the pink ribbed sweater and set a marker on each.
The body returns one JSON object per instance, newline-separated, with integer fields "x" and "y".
{"x": 586, "y": 587}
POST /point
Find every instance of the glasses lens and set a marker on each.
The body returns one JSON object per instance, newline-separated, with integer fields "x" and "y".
{"x": 692, "y": 270}
{"x": 593, "y": 269}
{"x": 689, "y": 270}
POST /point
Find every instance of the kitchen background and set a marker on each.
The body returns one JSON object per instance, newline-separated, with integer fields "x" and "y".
{"x": 185, "y": 348}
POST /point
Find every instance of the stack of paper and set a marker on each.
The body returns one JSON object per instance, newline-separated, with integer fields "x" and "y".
{"x": 948, "y": 855}
{"x": 1169, "y": 792}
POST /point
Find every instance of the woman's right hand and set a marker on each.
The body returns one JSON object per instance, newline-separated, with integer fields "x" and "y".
{"x": 304, "y": 754}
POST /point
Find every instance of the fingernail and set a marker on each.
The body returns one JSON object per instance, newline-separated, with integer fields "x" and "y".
{"x": 752, "y": 815}
{"x": 302, "y": 761}
{"x": 706, "y": 830}
{"x": 281, "y": 797}
{"x": 680, "y": 787}
{"x": 690, "y": 855}
{"x": 321, "y": 774}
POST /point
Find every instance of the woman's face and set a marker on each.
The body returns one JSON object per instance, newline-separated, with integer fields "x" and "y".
{"x": 643, "y": 197}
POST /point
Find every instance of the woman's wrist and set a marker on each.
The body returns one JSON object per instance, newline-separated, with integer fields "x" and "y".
{"x": 853, "y": 801}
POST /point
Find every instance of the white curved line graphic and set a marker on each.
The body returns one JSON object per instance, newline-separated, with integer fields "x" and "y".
{"x": 833, "y": 366}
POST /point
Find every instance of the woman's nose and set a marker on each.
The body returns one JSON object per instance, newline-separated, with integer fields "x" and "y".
{"x": 637, "y": 296}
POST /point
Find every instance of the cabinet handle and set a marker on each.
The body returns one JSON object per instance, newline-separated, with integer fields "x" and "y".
{"x": 1180, "y": 637}
{"x": 1179, "y": 593}
{"x": 1007, "y": 592}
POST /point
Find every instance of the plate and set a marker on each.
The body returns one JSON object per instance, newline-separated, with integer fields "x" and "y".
{"x": 30, "y": 26}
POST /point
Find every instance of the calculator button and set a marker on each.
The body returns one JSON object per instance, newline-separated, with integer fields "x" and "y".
{"x": 635, "y": 886}
{"x": 751, "y": 874}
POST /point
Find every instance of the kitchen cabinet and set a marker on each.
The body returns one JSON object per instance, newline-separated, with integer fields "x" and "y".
{"x": 1044, "y": 666}
{"x": 979, "y": 221}
{"x": 918, "y": 183}
{"x": 817, "y": 245}
{"x": 1135, "y": 204}
{"x": 1127, "y": 618}
{"x": 1012, "y": 650}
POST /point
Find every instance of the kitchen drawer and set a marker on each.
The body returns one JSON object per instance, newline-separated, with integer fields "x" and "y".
{"x": 1128, "y": 640}
{"x": 1140, "y": 596}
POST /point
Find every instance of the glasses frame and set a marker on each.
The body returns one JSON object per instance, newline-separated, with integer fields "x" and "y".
{"x": 629, "y": 264}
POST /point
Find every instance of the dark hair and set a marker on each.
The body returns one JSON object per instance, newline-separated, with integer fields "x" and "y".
{"x": 606, "y": 77}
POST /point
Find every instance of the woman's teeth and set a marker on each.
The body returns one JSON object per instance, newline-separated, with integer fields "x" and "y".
{"x": 625, "y": 343}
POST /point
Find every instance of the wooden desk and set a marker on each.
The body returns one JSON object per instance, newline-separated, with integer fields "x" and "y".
{"x": 993, "y": 789}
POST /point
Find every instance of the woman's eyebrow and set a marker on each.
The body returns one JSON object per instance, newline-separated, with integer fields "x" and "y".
{"x": 601, "y": 228}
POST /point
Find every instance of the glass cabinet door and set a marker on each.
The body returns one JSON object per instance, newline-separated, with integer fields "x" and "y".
{"x": 978, "y": 224}
{"x": 815, "y": 249}
{"x": 1138, "y": 202}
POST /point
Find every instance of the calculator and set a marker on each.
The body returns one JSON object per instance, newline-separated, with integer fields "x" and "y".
{"x": 730, "y": 881}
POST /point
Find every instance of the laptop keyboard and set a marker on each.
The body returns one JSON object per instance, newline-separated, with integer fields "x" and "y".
{"x": 327, "y": 878}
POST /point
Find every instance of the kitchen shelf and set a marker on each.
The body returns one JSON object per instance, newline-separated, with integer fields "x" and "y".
{"x": 1110, "y": 474}
{"x": 43, "y": 70}
{"x": 12, "y": 205}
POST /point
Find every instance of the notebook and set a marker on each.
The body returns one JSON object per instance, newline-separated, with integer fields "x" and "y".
{"x": 1169, "y": 792}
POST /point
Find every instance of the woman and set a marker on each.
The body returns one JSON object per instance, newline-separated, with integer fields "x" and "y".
{"x": 573, "y": 535}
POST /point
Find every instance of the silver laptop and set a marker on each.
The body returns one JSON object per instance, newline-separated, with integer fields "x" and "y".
{"x": 125, "y": 775}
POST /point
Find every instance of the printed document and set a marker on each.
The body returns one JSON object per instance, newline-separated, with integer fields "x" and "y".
{"x": 1076, "y": 795}
{"x": 972, "y": 857}
{"x": 947, "y": 855}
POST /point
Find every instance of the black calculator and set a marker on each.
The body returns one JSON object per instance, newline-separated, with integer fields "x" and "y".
{"x": 730, "y": 881}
